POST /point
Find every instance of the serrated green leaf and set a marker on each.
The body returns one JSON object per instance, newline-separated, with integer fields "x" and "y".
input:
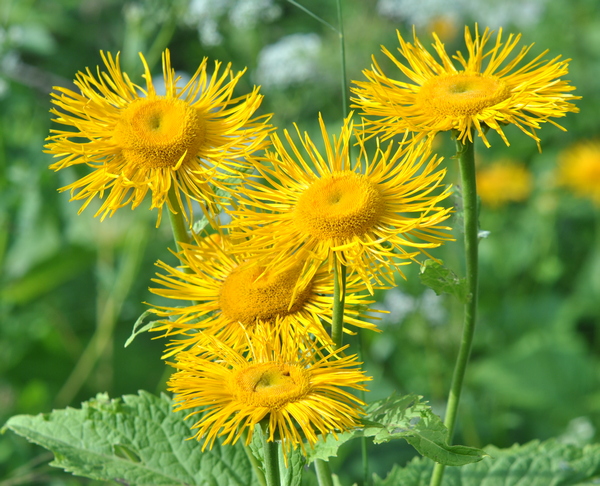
{"x": 534, "y": 464}
{"x": 403, "y": 417}
{"x": 442, "y": 280}
{"x": 290, "y": 475}
{"x": 137, "y": 439}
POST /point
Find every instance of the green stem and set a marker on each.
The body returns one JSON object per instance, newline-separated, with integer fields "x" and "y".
{"x": 271, "y": 456}
{"x": 254, "y": 461}
{"x": 363, "y": 439}
{"x": 314, "y": 16}
{"x": 179, "y": 225}
{"x": 323, "y": 473}
{"x": 337, "y": 333}
{"x": 339, "y": 299}
{"x": 343, "y": 59}
{"x": 466, "y": 160}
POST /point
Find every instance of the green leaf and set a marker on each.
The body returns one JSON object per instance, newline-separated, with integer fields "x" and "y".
{"x": 534, "y": 464}
{"x": 139, "y": 327}
{"x": 403, "y": 417}
{"x": 136, "y": 439}
{"x": 443, "y": 280}
{"x": 290, "y": 475}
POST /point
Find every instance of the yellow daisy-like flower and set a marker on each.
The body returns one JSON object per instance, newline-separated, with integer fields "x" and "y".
{"x": 487, "y": 90}
{"x": 502, "y": 182}
{"x": 136, "y": 140}
{"x": 579, "y": 170}
{"x": 300, "y": 390}
{"x": 364, "y": 216}
{"x": 232, "y": 293}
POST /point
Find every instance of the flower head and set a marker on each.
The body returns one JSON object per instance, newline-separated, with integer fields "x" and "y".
{"x": 487, "y": 90}
{"x": 372, "y": 216}
{"x": 135, "y": 140}
{"x": 300, "y": 389}
{"x": 232, "y": 293}
{"x": 579, "y": 170}
{"x": 502, "y": 182}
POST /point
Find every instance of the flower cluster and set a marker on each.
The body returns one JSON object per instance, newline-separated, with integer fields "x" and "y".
{"x": 316, "y": 226}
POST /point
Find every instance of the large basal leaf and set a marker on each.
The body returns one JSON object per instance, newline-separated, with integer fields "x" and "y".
{"x": 403, "y": 417}
{"x": 133, "y": 440}
{"x": 534, "y": 464}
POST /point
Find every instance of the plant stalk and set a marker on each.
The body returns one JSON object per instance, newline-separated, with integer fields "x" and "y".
{"x": 339, "y": 300}
{"x": 343, "y": 59}
{"x": 466, "y": 160}
{"x": 177, "y": 219}
{"x": 323, "y": 473}
{"x": 271, "y": 456}
{"x": 254, "y": 461}
{"x": 337, "y": 333}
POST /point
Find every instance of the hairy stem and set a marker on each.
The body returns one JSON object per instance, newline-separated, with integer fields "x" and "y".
{"x": 254, "y": 461}
{"x": 271, "y": 456}
{"x": 339, "y": 300}
{"x": 466, "y": 160}
{"x": 323, "y": 473}
{"x": 343, "y": 59}
{"x": 177, "y": 219}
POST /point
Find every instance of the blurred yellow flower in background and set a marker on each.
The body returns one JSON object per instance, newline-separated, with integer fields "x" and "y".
{"x": 135, "y": 140}
{"x": 370, "y": 215}
{"x": 232, "y": 293}
{"x": 502, "y": 182}
{"x": 299, "y": 388}
{"x": 482, "y": 93}
{"x": 579, "y": 170}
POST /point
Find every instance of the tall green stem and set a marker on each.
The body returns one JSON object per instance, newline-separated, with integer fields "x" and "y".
{"x": 337, "y": 334}
{"x": 466, "y": 160}
{"x": 323, "y": 473}
{"x": 271, "y": 456}
{"x": 343, "y": 59}
{"x": 178, "y": 223}
{"x": 339, "y": 300}
{"x": 254, "y": 461}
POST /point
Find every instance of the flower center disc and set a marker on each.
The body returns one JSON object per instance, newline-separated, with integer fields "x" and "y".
{"x": 339, "y": 205}
{"x": 461, "y": 94}
{"x": 248, "y": 294}
{"x": 159, "y": 132}
{"x": 271, "y": 385}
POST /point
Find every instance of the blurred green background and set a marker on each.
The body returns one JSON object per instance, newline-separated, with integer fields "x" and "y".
{"x": 71, "y": 287}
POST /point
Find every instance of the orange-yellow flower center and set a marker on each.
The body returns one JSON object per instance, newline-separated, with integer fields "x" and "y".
{"x": 159, "y": 132}
{"x": 340, "y": 205}
{"x": 461, "y": 94}
{"x": 271, "y": 385}
{"x": 250, "y": 293}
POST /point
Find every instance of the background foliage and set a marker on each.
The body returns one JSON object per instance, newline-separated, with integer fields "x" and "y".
{"x": 72, "y": 287}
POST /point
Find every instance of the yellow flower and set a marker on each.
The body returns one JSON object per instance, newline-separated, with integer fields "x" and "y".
{"x": 136, "y": 140}
{"x": 486, "y": 91}
{"x": 232, "y": 293}
{"x": 579, "y": 170}
{"x": 276, "y": 376}
{"x": 363, "y": 215}
{"x": 502, "y": 182}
